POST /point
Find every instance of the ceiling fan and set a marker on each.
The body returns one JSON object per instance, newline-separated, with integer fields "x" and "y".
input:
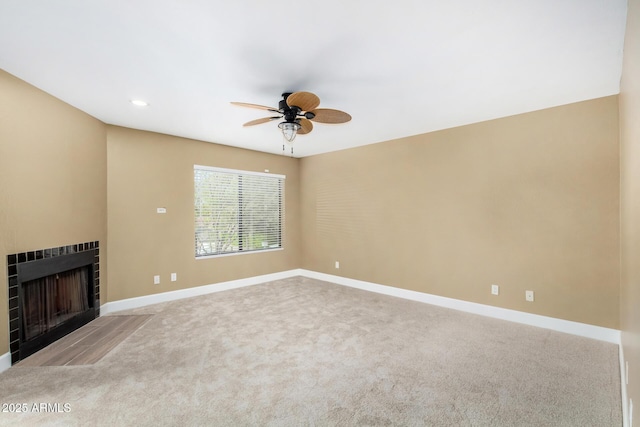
{"x": 298, "y": 110}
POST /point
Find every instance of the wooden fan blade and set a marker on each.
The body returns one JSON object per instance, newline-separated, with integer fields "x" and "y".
{"x": 327, "y": 115}
{"x": 306, "y": 101}
{"x": 260, "y": 121}
{"x": 260, "y": 107}
{"x": 306, "y": 127}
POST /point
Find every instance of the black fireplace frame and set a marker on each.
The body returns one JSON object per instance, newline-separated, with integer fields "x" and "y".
{"x": 26, "y": 266}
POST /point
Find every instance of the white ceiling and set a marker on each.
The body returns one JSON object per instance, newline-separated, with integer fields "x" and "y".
{"x": 399, "y": 68}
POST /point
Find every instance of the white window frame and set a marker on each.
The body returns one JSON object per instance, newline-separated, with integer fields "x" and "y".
{"x": 237, "y": 250}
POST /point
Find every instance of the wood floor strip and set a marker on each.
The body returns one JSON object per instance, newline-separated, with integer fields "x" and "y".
{"x": 63, "y": 357}
{"x": 97, "y": 336}
{"x": 132, "y": 322}
{"x": 73, "y": 337}
{"x": 97, "y": 352}
{"x": 88, "y": 344}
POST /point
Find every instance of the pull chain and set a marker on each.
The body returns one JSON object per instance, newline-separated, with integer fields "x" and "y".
{"x": 283, "y": 147}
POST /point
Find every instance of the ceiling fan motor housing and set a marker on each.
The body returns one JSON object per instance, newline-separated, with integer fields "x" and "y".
{"x": 290, "y": 113}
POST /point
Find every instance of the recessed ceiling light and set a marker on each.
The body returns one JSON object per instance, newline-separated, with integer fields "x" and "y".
{"x": 139, "y": 102}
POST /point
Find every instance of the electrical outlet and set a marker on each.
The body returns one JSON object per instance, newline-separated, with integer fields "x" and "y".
{"x": 174, "y": 277}
{"x": 495, "y": 290}
{"x": 337, "y": 264}
{"x": 528, "y": 295}
{"x": 156, "y": 280}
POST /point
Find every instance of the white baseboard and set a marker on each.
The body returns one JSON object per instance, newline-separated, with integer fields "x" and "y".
{"x": 623, "y": 388}
{"x": 560, "y": 325}
{"x": 5, "y": 362}
{"x": 137, "y": 302}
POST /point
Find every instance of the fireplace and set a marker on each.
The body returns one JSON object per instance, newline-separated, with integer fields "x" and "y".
{"x": 52, "y": 292}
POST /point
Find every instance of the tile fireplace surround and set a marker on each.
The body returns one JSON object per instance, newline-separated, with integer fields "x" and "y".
{"x": 13, "y": 262}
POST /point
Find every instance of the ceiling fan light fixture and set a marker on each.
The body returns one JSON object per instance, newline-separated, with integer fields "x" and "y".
{"x": 289, "y": 130}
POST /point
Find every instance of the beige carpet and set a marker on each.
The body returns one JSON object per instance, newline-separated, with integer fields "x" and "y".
{"x": 300, "y": 352}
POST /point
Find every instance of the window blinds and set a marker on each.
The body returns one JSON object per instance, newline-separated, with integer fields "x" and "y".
{"x": 237, "y": 211}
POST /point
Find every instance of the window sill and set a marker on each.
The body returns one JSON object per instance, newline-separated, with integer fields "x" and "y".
{"x": 259, "y": 251}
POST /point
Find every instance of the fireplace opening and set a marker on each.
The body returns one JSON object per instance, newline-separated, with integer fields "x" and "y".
{"x": 52, "y": 292}
{"x": 50, "y": 301}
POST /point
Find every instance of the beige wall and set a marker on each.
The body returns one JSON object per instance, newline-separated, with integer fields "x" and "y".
{"x": 148, "y": 170}
{"x": 630, "y": 202}
{"x": 526, "y": 202}
{"x": 52, "y": 177}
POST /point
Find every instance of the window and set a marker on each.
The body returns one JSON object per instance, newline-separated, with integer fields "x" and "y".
{"x": 237, "y": 211}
